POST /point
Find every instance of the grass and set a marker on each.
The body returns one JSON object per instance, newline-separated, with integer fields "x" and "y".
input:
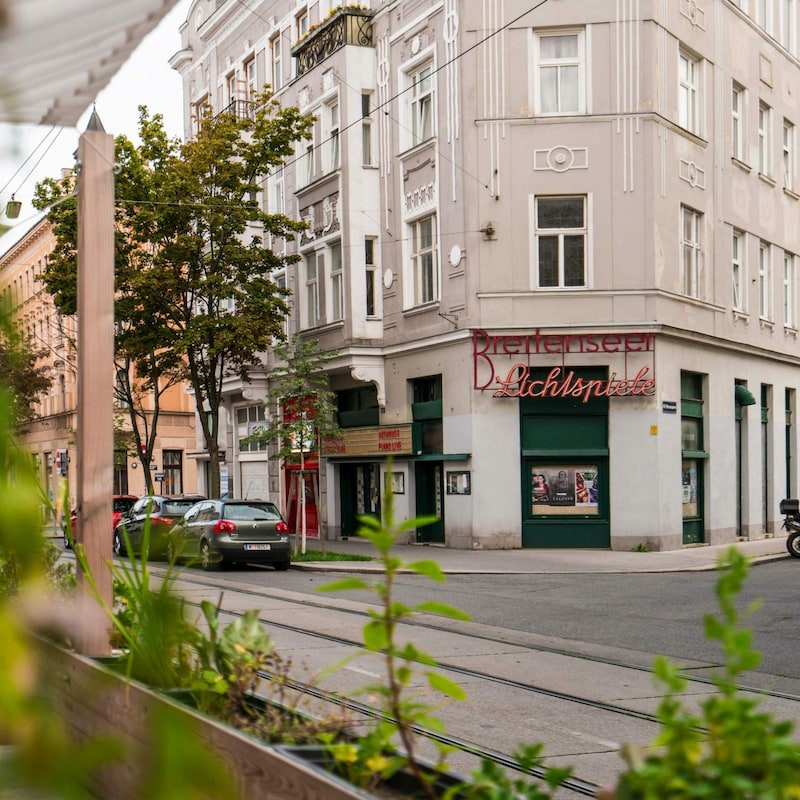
{"x": 318, "y": 555}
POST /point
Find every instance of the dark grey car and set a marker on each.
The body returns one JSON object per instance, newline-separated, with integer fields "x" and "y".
{"x": 216, "y": 532}
{"x": 161, "y": 511}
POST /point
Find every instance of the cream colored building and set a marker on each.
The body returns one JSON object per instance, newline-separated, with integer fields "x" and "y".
{"x": 51, "y": 435}
{"x": 556, "y": 246}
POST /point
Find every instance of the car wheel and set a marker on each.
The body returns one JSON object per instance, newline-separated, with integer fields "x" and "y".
{"x": 281, "y": 566}
{"x": 119, "y": 544}
{"x": 208, "y": 561}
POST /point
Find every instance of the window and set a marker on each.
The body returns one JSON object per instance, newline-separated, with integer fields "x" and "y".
{"x": 764, "y": 280}
{"x": 691, "y": 253}
{"x": 788, "y": 155}
{"x": 423, "y": 259}
{"x": 173, "y": 471}
{"x": 738, "y": 270}
{"x": 277, "y": 62}
{"x": 789, "y": 290}
{"x": 788, "y": 24}
{"x": 689, "y": 93}
{"x": 313, "y": 268}
{"x": 737, "y": 121}
{"x": 251, "y": 79}
{"x": 305, "y": 163}
{"x": 250, "y": 421}
{"x": 337, "y": 283}
{"x": 560, "y": 232}
{"x": 370, "y": 268}
{"x": 366, "y": 131}
{"x": 276, "y": 194}
{"x": 421, "y": 104}
{"x": 763, "y": 15}
{"x": 560, "y": 81}
{"x": 302, "y": 24}
{"x": 230, "y": 91}
{"x": 332, "y": 136}
{"x": 764, "y": 135}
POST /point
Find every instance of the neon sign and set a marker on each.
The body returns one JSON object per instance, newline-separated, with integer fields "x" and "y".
{"x": 561, "y": 381}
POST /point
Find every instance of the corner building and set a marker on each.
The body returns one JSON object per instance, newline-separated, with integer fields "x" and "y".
{"x": 556, "y": 247}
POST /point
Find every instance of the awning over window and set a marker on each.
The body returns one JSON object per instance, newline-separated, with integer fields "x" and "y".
{"x": 57, "y": 55}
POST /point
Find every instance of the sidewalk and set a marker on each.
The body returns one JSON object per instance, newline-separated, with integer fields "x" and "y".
{"x": 546, "y": 561}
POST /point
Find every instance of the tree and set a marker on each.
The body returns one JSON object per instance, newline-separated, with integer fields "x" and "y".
{"x": 301, "y": 409}
{"x": 24, "y": 380}
{"x": 196, "y": 299}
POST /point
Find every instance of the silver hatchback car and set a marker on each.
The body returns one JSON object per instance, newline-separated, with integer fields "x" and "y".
{"x": 218, "y": 532}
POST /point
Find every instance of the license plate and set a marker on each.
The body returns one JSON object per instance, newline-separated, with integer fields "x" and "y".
{"x": 257, "y": 547}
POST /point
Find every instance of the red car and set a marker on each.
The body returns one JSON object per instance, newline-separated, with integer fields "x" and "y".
{"x": 122, "y": 502}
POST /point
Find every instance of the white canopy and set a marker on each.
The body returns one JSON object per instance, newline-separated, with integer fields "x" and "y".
{"x": 57, "y": 55}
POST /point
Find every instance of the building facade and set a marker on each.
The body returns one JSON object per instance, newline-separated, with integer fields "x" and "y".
{"x": 555, "y": 248}
{"x": 51, "y": 435}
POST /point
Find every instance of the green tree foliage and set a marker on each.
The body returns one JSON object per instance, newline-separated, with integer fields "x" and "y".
{"x": 191, "y": 250}
{"x": 23, "y": 379}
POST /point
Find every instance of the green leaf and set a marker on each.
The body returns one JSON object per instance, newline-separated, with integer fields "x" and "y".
{"x": 375, "y": 638}
{"x": 345, "y": 584}
{"x": 429, "y": 569}
{"x": 446, "y": 686}
{"x": 443, "y": 610}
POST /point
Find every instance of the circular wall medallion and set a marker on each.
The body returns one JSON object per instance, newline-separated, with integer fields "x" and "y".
{"x": 455, "y": 255}
{"x": 416, "y": 43}
{"x": 388, "y": 278}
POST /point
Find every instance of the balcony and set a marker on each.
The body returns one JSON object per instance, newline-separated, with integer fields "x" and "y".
{"x": 346, "y": 25}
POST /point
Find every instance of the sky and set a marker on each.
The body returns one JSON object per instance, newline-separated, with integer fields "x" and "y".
{"x": 29, "y": 153}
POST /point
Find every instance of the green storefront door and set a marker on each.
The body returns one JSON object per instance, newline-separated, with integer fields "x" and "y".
{"x": 428, "y": 481}
{"x": 565, "y": 469}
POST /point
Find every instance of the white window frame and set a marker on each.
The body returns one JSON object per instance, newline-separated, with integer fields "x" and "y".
{"x": 739, "y": 270}
{"x": 789, "y": 289}
{"x": 306, "y": 171}
{"x": 301, "y": 24}
{"x": 251, "y": 77}
{"x": 763, "y": 14}
{"x": 424, "y": 260}
{"x": 738, "y": 97}
{"x": 764, "y": 279}
{"x": 421, "y": 102}
{"x": 560, "y": 65}
{"x": 789, "y": 25}
{"x": 371, "y": 276}
{"x": 276, "y": 54}
{"x": 276, "y": 191}
{"x": 690, "y": 81}
{"x": 336, "y": 281}
{"x": 248, "y": 420}
{"x": 367, "y": 157}
{"x": 331, "y": 136}
{"x": 230, "y": 91}
{"x": 789, "y": 150}
{"x": 312, "y": 276}
{"x": 561, "y": 236}
{"x": 764, "y": 139}
{"x": 691, "y": 243}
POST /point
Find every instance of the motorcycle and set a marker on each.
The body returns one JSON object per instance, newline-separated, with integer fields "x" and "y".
{"x": 790, "y": 508}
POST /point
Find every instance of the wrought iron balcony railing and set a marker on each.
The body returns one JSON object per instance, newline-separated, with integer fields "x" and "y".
{"x": 347, "y": 25}
{"x": 239, "y": 108}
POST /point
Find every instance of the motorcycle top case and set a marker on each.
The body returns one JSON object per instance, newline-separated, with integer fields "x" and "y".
{"x": 790, "y": 506}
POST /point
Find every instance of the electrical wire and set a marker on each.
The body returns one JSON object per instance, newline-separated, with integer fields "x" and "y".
{"x": 30, "y": 156}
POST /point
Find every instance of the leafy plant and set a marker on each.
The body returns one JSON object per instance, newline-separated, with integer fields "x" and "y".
{"x": 730, "y": 748}
{"x": 490, "y": 782}
{"x": 402, "y": 662}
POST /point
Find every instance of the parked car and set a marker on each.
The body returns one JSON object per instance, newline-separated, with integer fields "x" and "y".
{"x": 162, "y": 511}
{"x": 121, "y": 503}
{"x": 218, "y": 532}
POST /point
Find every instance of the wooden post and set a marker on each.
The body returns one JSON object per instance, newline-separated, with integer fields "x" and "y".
{"x": 95, "y": 374}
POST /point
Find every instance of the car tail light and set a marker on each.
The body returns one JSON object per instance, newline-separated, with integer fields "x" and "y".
{"x": 281, "y": 527}
{"x": 161, "y": 520}
{"x": 223, "y": 526}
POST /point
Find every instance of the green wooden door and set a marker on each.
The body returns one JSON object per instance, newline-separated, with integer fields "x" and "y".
{"x": 428, "y": 481}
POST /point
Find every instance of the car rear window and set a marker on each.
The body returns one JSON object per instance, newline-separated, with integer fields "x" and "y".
{"x": 251, "y": 511}
{"x": 177, "y": 507}
{"x": 123, "y": 503}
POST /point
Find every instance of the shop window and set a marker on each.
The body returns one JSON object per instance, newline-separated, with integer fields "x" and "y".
{"x": 426, "y": 411}
{"x": 693, "y": 457}
{"x": 120, "y": 472}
